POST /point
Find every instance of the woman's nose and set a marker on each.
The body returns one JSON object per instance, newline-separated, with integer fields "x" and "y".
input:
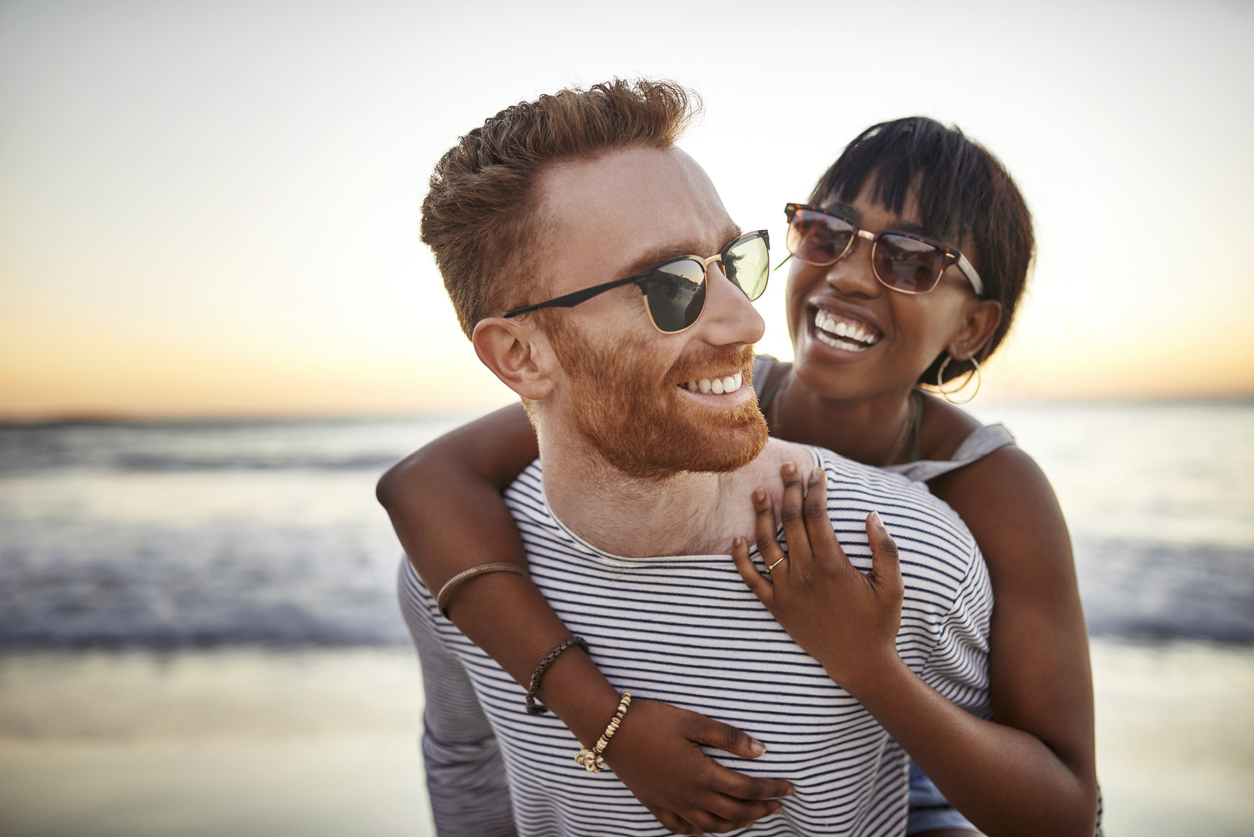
{"x": 854, "y": 274}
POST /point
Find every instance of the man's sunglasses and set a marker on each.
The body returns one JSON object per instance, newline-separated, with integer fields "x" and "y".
{"x": 674, "y": 290}
{"x": 901, "y": 261}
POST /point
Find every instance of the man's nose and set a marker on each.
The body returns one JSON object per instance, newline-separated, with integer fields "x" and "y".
{"x": 729, "y": 316}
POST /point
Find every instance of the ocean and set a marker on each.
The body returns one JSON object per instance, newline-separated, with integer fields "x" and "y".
{"x": 198, "y": 534}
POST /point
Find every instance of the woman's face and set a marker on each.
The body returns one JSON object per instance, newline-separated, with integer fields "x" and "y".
{"x": 851, "y": 335}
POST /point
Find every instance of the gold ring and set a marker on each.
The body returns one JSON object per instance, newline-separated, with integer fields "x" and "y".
{"x": 777, "y": 563}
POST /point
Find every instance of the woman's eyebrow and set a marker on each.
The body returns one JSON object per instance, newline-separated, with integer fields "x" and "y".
{"x": 846, "y": 211}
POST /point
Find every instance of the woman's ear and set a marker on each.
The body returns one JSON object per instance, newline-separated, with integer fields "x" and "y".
{"x": 980, "y": 319}
{"x": 518, "y": 354}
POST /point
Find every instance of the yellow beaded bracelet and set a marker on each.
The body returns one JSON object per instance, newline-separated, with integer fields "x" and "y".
{"x": 591, "y": 759}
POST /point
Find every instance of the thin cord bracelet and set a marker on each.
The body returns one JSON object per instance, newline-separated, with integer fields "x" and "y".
{"x": 591, "y": 759}
{"x": 456, "y": 581}
{"x": 534, "y": 708}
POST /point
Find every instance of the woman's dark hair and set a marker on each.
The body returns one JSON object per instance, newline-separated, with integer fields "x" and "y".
{"x": 965, "y": 196}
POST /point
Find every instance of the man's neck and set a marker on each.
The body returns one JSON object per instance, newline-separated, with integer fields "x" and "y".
{"x": 683, "y": 514}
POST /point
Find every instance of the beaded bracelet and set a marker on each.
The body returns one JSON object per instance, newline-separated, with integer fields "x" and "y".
{"x": 534, "y": 708}
{"x": 591, "y": 759}
{"x": 466, "y": 575}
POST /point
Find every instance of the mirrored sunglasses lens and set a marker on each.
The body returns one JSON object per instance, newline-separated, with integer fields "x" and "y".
{"x": 675, "y": 294}
{"x": 747, "y": 262}
{"x": 908, "y": 265}
{"x": 818, "y": 239}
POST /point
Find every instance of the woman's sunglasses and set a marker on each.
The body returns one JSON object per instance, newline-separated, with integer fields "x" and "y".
{"x": 901, "y": 261}
{"x": 674, "y": 290}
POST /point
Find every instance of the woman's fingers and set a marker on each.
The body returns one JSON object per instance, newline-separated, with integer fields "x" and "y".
{"x": 723, "y": 736}
{"x": 712, "y": 733}
{"x": 720, "y": 814}
{"x": 764, "y": 527}
{"x": 761, "y": 587}
{"x": 885, "y": 572}
{"x": 791, "y": 514}
{"x": 672, "y": 823}
{"x": 823, "y": 542}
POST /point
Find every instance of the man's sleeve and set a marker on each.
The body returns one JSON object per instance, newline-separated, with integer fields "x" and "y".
{"x": 958, "y": 664}
{"x": 465, "y": 771}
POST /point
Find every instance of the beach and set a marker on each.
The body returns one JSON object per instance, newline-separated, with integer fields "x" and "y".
{"x": 324, "y": 742}
{"x": 199, "y": 635}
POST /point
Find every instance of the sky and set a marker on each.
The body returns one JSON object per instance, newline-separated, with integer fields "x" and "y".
{"x": 211, "y": 208}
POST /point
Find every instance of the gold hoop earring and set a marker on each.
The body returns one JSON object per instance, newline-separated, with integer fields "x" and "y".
{"x": 974, "y": 373}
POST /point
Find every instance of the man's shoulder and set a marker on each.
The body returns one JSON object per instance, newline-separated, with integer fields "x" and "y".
{"x": 856, "y": 490}
{"x": 526, "y": 493}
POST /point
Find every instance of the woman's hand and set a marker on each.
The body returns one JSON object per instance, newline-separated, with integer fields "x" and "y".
{"x": 845, "y": 619}
{"x": 657, "y": 754}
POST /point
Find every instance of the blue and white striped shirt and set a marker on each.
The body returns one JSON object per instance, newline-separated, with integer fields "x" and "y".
{"x": 686, "y": 630}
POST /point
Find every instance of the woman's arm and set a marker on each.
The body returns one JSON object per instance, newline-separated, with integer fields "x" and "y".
{"x": 1040, "y": 677}
{"x": 1031, "y": 771}
{"x": 445, "y": 504}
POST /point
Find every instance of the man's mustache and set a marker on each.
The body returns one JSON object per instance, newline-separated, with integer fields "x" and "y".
{"x": 708, "y": 361}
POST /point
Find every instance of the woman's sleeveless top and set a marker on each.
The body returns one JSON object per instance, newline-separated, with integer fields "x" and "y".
{"x": 982, "y": 441}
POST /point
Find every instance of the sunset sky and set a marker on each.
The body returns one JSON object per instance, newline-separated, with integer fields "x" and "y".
{"x": 211, "y": 208}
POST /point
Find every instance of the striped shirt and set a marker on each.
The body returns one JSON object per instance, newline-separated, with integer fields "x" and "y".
{"x": 687, "y": 630}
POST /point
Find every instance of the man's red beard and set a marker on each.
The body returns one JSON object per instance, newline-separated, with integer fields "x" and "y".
{"x": 639, "y": 421}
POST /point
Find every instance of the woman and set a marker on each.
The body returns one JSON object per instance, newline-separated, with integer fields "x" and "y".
{"x": 909, "y": 261}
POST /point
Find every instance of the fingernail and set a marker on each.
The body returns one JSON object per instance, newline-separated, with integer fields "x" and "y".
{"x": 816, "y": 476}
{"x": 757, "y": 748}
{"x": 738, "y": 541}
{"x": 875, "y": 520}
{"x": 759, "y": 495}
{"x": 791, "y": 790}
{"x": 788, "y": 469}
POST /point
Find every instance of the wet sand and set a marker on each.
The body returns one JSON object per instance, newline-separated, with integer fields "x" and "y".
{"x": 255, "y": 742}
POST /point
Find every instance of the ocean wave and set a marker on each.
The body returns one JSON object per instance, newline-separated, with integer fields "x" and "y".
{"x": 201, "y": 446}
{"x": 334, "y": 585}
{"x": 1151, "y": 590}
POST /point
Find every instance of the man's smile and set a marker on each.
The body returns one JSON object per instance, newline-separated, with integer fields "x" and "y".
{"x": 716, "y": 385}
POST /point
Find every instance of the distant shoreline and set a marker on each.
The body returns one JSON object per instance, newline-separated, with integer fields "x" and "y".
{"x": 91, "y": 418}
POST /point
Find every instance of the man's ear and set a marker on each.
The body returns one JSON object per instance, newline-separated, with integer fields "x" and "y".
{"x": 517, "y": 353}
{"x": 980, "y": 319}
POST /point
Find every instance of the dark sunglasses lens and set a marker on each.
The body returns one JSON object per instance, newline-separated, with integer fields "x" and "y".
{"x": 747, "y": 262}
{"x": 908, "y": 265}
{"x": 675, "y": 294}
{"x": 818, "y": 239}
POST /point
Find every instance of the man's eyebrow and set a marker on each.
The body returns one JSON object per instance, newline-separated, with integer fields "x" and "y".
{"x": 656, "y": 255}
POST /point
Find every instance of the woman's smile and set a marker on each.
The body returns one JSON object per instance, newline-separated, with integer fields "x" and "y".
{"x": 843, "y": 332}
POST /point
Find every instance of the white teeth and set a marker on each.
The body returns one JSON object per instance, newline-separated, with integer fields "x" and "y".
{"x": 827, "y": 324}
{"x": 840, "y": 344}
{"x": 716, "y": 386}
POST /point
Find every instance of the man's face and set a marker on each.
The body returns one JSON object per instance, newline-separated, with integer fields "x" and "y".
{"x": 626, "y": 390}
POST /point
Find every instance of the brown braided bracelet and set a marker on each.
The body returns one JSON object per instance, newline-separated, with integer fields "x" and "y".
{"x": 465, "y": 575}
{"x": 534, "y": 708}
{"x": 591, "y": 759}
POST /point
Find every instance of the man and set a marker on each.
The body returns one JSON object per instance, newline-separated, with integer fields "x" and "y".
{"x": 551, "y": 225}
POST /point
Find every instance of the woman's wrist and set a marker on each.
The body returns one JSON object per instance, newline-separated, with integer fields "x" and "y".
{"x": 576, "y": 691}
{"x": 880, "y": 675}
